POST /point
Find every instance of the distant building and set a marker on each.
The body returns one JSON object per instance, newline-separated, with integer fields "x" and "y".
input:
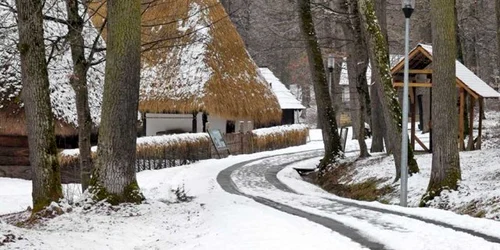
{"x": 289, "y": 105}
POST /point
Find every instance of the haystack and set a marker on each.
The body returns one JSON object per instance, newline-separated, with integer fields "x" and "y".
{"x": 195, "y": 61}
{"x": 12, "y": 118}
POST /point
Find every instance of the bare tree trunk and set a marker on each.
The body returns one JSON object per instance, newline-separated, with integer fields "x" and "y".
{"x": 114, "y": 175}
{"x": 377, "y": 117}
{"x": 331, "y": 137}
{"x": 445, "y": 172}
{"x": 39, "y": 117}
{"x": 380, "y": 61}
{"x": 497, "y": 13}
{"x": 460, "y": 54}
{"x": 357, "y": 65}
{"x": 79, "y": 83}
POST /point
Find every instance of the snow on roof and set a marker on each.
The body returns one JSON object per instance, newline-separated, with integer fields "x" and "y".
{"x": 194, "y": 60}
{"x": 60, "y": 67}
{"x": 468, "y": 77}
{"x": 285, "y": 98}
{"x": 344, "y": 75}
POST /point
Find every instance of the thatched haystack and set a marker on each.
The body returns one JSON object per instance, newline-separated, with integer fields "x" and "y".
{"x": 12, "y": 118}
{"x": 194, "y": 60}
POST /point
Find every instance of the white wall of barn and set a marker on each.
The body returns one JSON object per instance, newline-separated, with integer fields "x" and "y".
{"x": 162, "y": 122}
{"x": 156, "y": 123}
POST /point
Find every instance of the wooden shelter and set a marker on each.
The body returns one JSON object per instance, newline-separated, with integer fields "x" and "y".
{"x": 195, "y": 68}
{"x": 468, "y": 84}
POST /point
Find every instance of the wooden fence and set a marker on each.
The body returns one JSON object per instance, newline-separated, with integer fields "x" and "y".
{"x": 159, "y": 156}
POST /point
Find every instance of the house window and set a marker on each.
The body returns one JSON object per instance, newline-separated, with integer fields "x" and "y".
{"x": 230, "y": 127}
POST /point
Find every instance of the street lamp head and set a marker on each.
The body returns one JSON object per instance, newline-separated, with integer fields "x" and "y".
{"x": 331, "y": 61}
{"x": 408, "y": 6}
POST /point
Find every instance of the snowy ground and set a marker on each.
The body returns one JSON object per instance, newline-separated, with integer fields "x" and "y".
{"x": 215, "y": 219}
{"x": 479, "y": 192}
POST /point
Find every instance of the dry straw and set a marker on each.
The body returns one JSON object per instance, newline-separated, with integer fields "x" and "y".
{"x": 13, "y": 122}
{"x": 234, "y": 90}
{"x": 280, "y": 139}
{"x": 158, "y": 155}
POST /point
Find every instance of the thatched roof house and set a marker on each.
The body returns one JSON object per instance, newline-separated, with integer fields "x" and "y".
{"x": 195, "y": 61}
{"x": 12, "y": 119}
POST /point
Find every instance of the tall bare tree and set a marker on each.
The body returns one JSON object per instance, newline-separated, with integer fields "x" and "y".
{"x": 379, "y": 57}
{"x": 357, "y": 64}
{"x": 331, "y": 137}
{"x": 445, "y": 172}
{"x": 377, "y": 117}
{"x": 79, "y": 83}
{"x": 497, "y": 14}
{"x": 114, "y": 175}
{"x": 36, "y": 96}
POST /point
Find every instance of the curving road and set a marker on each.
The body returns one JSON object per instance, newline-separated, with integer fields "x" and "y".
{"x": 371, "y": 227}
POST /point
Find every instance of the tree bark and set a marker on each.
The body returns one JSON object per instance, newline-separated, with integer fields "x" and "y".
{"x": 380, "y": 61}
{"x": 497, "y": 14}
{"x": 36, "y": 96}
{"x": 331, "y": 137}
{"x": 114, "y": 175}
{"x": 357, "y": 65}
{"x": 460, "y": 54}
{"x": 377, "y": 118}
{"x": 445, "y": 172}
{"x": 79, "y": 83}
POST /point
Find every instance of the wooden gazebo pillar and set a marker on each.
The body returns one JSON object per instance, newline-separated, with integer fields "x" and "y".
{"x": 470, "y": 143}
{"x": 480, "y": 132}
{"x": 413, "y": 116}
{"x": 461, "y": 120}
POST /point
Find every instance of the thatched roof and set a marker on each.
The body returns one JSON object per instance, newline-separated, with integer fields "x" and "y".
{"x": 60, "y": 70}
{"x": 194, "y": 60}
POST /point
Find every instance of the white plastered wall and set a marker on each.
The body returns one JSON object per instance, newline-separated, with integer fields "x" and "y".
{"x": 161, "y": 122}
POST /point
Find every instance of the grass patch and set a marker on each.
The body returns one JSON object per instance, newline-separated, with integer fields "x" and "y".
{"x": 337, "y": 179}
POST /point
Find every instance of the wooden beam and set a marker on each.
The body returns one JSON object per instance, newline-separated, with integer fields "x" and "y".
{"x": 14, "y": 151}
{"x": 413, "y": 116}
{"x": 461, "y": 120}
{"x": 463, "y": 85}
{"x": 470, "y": 143}
{"x": 413, "y": 84}
{"x": 422, "y": 144}
{"x": 14, "y": 161}
{"x": 480, "y": 132}
{"x": 415, "y": 71}
{"x": 420, "y": 71}
{"x": 13, "y": 141}
{"x": 413, "y": 53}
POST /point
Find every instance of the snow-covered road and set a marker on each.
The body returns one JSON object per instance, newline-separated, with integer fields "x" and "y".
{"x": 370, "y": 226}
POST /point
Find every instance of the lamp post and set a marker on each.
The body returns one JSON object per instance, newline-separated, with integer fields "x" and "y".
{"x": 330, "y": 64}
{"x": 408, "y": 7}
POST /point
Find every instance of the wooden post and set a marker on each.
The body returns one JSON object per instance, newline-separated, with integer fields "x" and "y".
{"x": 250, "y": 137}
{"x": 242, "y": 136}
{"x": 461, "y": 120}
{"x": 430, "y": 121}
{"x": 480, "y": 132}
{"x": 470, "y": 143}
{"x": 194, "y": 124}
{"x": 413, "y": 116}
